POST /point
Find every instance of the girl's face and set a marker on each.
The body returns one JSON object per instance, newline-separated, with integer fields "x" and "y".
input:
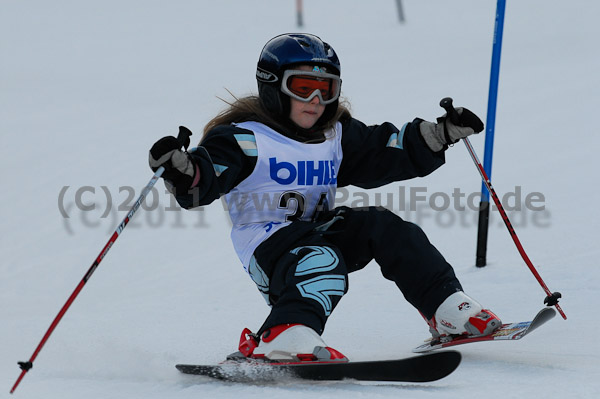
{"x": 306, "y": 114}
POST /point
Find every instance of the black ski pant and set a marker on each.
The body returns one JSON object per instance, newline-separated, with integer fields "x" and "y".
{"x": 306, "y": 265}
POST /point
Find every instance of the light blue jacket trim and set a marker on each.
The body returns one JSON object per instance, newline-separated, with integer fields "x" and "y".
{"x": 219, "y": 169}
{"x": 247, "y": 143}
{"x": 396, "y": 139}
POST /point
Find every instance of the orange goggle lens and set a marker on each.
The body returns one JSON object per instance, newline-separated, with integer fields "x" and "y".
{"x": 304, "y": 86}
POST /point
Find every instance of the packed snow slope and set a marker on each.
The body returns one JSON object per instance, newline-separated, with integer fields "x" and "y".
{"x": 88, "y": 87}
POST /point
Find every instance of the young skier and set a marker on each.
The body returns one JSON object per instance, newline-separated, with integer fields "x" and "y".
{"x": 277, "y": 158}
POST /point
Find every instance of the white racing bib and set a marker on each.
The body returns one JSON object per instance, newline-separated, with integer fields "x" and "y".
{"x": 291, "y": 181}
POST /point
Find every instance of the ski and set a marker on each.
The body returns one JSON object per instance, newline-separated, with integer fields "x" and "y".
{"x": 508, "y": 332}
{"x": 423, "y": 368}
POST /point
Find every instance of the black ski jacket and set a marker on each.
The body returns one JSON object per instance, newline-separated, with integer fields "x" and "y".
{"x": 368, "y": 159}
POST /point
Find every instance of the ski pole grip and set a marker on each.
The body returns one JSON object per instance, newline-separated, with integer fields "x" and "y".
{"x": 184, "y": 136}
{"x": 446, "y": 103}
{"x": 552, "y": 300}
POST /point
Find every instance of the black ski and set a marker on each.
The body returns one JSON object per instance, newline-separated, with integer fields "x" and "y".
{"x": 424, "y": 368}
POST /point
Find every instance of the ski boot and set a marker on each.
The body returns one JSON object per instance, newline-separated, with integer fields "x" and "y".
{"x": 287, "y": 343}
{"x": 460, "y": 314}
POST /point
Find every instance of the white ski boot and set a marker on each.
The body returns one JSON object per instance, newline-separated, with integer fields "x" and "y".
{"x": 288, "y": 343}
{"x": 460, "y": 314}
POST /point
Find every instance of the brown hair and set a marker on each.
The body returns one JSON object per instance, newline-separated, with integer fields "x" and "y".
{"x": 250, "y": 108}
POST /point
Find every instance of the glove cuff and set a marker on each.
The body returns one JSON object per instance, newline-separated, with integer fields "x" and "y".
{"x": 433, "y": 134}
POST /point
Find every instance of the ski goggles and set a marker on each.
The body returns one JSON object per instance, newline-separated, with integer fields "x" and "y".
{"x": 305, "y": 85}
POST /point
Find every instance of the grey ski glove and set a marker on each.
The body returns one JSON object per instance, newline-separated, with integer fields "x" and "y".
{"x": 180, "y": 170}
{"x": 443, "y": 133}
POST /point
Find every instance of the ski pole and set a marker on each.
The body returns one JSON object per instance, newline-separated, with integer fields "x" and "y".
{"x": 551, "y": 298}
{"x": 490, "y": 123}
{"x": 183, "y": 138}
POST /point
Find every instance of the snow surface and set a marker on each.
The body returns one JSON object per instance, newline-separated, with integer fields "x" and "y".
{"x": 87, "y": 87}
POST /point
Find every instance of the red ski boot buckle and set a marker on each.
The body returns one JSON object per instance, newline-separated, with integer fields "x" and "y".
{"x": 248, "y": 343}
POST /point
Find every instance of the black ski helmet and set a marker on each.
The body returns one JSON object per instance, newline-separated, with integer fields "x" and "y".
{"x": 283, "y": 52}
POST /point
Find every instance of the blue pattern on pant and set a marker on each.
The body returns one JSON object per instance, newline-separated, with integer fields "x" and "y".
{"x": 320, "y": 288}
{"x": 319, "y": 259}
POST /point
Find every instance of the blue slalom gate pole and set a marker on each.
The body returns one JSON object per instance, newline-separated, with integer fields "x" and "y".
{"x": 484, "y": 205}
